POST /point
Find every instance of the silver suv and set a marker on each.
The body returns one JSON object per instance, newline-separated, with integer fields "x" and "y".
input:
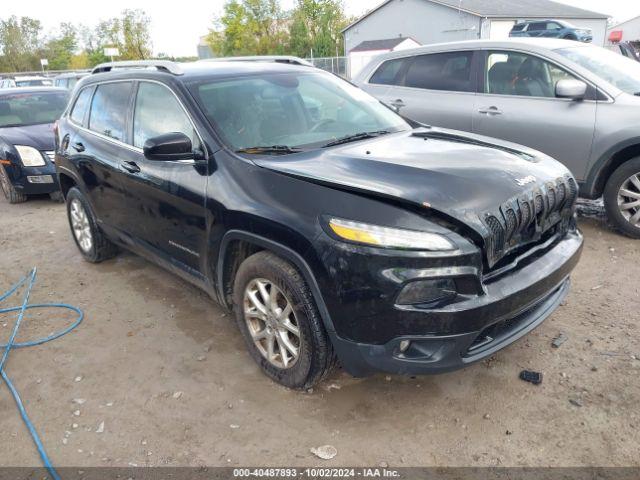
{"x": 573, "y": 101}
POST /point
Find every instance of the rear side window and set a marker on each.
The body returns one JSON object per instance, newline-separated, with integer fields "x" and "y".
{"x": 109, "y": 109}
{"x": 158, "y": 112}
{"x": 387, "y": 72}
{"x": 449, "y": 71}
{"x": 537, "y": 26}
{"x": 81, "y": 105}
{"x": 518, "y": 28}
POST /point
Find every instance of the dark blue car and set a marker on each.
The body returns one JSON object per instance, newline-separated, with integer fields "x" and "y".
{"x": 27, "y": 141}
{"x": 551, "y": 29}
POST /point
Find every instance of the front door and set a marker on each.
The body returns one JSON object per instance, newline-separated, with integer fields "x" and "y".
{"x": 518, "y": 104}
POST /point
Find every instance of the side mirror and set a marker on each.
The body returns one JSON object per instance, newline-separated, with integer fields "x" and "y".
{"x": 169, "y": 146}
{"x": 573, "y": 89}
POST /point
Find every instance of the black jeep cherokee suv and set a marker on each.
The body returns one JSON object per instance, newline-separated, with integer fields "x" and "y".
{"x": 333, "y": 228}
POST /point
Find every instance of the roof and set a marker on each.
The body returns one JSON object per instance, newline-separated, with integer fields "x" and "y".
{"x": 507, "y": 9}
{"x": 386, "y": 44}
{"x": 19, "y": 90}
{"x": 617, "y": 25}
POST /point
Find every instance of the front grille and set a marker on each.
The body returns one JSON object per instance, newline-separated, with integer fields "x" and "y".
{"x": 51, "y": 155}
{"x": 523, "y": 220}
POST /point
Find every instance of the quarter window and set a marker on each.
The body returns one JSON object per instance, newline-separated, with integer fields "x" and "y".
{"x": 387, "y": 72}
{"x": 441, "y": 71}
{"x": 513, "y": 73}
{"x": 81, "y": 105}
{"x": 158, "y": 112}
{"x": 109, "y": 109}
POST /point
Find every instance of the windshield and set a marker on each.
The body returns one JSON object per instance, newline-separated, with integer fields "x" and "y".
{"x": 294, "y": 110}
{"x": 620, "y": 71}
{"x": 33, "y": 83}
{"x": 20, "y": 109}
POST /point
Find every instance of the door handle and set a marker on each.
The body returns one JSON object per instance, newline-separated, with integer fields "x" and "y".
{"x": 490, "y": 111}
{"x": 129, "y": 166}
{"x": 78, "y": 146}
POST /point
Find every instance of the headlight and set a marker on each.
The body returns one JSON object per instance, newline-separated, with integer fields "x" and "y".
{"x": 30, "y": 157}
{"x": 389, "y": 237}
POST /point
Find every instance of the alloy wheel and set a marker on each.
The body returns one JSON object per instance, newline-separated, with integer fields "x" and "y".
{"x": 629, "y": 199}
{"x": 80, "y": 225}
{"x": 272, "y": 323}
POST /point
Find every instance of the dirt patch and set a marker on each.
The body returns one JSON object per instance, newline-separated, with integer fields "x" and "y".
{"x": 165, "y": 369}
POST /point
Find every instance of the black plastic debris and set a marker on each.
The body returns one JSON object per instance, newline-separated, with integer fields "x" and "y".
{"x": 531, "y": 377}
{"x": 559, "y": 340}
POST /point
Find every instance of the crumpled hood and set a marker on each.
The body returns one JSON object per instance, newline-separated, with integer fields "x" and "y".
{"x": 461, "y": 179}
{"x": 40, "y": 137}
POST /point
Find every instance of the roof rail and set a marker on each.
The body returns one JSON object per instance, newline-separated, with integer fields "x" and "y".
{"x": 162, "y": 65}
{"x": 263, "y": 58}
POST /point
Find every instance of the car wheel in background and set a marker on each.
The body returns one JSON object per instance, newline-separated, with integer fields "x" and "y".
{"x": 280, "y": 323}
{"x": 10, "y": 192}
{"x": 91, "y": 242}
{"x": 622, "y": 198}
{"x": 56, "y": 197}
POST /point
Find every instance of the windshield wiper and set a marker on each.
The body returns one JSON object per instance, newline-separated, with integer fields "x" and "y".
{"x": 355, "y": 137}
{"x": 270, "y": 150}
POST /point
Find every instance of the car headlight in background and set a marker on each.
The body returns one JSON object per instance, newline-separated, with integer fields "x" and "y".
{"x": 378, "y": 236}
{"x": 30, "y": 157}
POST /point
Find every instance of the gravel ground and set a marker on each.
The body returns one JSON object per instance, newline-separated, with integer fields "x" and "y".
{"x": 157, "y": 374}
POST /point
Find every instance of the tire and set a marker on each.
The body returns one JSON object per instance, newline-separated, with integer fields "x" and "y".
{"x": 12, "y": 195}
{"x": 99, "y": 248}
{"x": 627, "y": 178}
{"x": 315, "y": 356}
{"x": 570, "y": 37}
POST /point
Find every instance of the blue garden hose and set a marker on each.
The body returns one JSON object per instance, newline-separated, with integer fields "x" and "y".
{"x": 29, "y": 281}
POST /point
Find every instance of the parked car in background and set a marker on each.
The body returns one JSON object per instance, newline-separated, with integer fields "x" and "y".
{"x": 68, "y": 80}
{"x": 626, "y": 49}
{"x": 25, "y": 81}
{"x": 551, "y": 29}
{"x": 576, "y": 102}
{"x": 341, "y": 231}
{"x": 27, "y": 115}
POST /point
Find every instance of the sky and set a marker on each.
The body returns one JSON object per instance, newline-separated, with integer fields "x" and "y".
{"x": 177, "y": 26}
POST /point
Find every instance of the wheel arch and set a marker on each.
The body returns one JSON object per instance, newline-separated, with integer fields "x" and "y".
{"x": 609, "y": 163}
{"x": 249, "y": 243}
{"x": 67, "y": 182}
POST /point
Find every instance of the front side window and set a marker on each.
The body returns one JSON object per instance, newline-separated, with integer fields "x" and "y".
{"x": 81, "y": 105}
{"x": 22, "y": 109}
{"x": 514, "y": 73}
{"x": 158, "y": 112}
{"x": 449, "y": 71}
{"x": 304, "y": 110}
{"x": 109, "y": 109}
{"x": 616, "y": 69}
{"x": 387, "y": 73}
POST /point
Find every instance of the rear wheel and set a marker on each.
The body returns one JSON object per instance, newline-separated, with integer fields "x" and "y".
{"x": 280, "y": 323}
{"x": 92, "y": 243}
{"x": 10, "y": 193}
{"x": 622, "y": 198}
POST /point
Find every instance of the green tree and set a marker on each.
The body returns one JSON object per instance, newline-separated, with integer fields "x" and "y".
{"x": 135, "y": 35}
{"x": 316, "y": 26}
{"x": 19, "y": 43}
{"x": 61, "y": 49}
{"x": 249, "y": 27}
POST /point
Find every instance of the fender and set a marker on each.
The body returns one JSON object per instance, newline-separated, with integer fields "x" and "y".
{"x": 589, "y": 188}
{"x": 284, "y": 252}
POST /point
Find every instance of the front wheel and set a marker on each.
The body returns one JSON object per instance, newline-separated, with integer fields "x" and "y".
{"x": 92, "y": 243}
{"x": 280, "y": 323}
{"x": 10, "y": 193}
{"x": 622, "y": 198}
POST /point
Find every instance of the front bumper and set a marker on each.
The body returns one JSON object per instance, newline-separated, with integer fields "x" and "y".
{"x": 510, "y": 308}
{"x": 34, "y": 180}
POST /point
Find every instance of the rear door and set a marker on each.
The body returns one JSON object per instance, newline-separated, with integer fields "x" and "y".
{"x": 518, "y": 104}
{"x": 436, "y": 89}
{"x": 165, "y": 199}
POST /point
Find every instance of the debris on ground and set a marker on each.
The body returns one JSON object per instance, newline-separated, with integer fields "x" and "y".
{"x": 559, "y": 340}
{"x": 78, "y": 378}
{"x": 575, "y": 402}
{"x": 177, "y": 395}
{"x": 100, "y": 428}
{"x": 79, "y": 401}
{"x": 531, "y": 377}
{"x": 333, "y": 386}
{"x": 325, "y": 452}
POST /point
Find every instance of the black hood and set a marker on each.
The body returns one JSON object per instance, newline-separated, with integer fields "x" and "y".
{"x": 464, "y": 176}
{"x": 39, "y": 136}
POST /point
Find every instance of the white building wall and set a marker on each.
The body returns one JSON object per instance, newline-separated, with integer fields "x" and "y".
{"x": 630, "y": 30}
{"x": 423, "y": 21}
